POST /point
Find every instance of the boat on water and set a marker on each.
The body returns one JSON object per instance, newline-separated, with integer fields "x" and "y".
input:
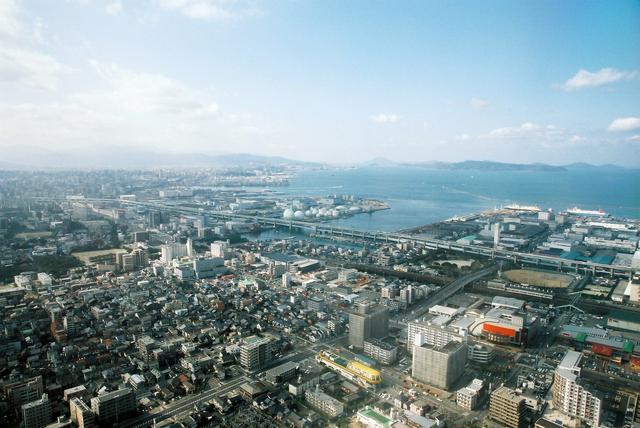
{"x": 516, "y": 207}
{"x": 578, "y": 211}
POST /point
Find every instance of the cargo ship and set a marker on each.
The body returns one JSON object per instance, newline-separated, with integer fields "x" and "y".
{"x": 350, "y": 369}
{"x": 578, "y": 211}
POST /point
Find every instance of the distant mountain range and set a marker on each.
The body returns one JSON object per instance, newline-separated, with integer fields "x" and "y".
{"x": 115, "y": 157}
{"x": 489, "y": 165}
{"x": 118, "y": 157}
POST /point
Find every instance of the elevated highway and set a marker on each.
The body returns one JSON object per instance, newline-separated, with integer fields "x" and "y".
{"x": 328, "y": 230}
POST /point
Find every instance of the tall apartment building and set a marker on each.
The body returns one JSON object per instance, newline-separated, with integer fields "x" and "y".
{"x": 468, "y": 397}
{"x": 440, "y": 366}
{"x": 315, "y": 304}
{"x": 572, "y": 396}
{"x": 24, "y": 391}
{"x": 221, "y": 249}
{"x": 146, "y": 344}
{"x": 113, "y": 406}
{"x": 420, "y": 332}
{"x": 81, "y": 414}
{"x": 37, "y": 414}
{"x": 323, "y": 402}
{"x": 507, "y": 407}
{"x": 367, "y": 321}
{"x": 382, "y": 350}
{"x": 175, "y": 250}
{"x": 255, "y": 352}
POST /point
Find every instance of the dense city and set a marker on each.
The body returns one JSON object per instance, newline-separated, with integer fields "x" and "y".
{"x": 193, "y": 298}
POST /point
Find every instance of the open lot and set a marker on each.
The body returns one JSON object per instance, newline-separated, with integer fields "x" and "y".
{"x": 538, "y": 278}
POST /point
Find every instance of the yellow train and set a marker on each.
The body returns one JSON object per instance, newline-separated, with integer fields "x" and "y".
{"x": 351, "y": 369}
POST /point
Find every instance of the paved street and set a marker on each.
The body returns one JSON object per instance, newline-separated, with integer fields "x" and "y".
{"x": 161, "y": 413}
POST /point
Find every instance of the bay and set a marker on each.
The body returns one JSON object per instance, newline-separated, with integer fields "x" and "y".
{"x": 419, "y": 196}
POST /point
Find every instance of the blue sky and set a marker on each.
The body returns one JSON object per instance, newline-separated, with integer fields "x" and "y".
{"x": 523, "y": 81}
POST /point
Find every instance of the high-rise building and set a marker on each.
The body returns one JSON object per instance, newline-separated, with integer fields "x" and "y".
{"x": 496, "y": 235}
{"x": 468, "y": 397}
{"x": 81, "y": 414}
{"x": 156, "y": 218}
{"x": 71, "y": 325}
{"x": 367, "y": 321}
{"x": 24, "y": 391}
{"x": 175, "y": 250}
{"x": 440, "y": 366}
{"x": 419, "y": 332}
{"x": 276, "y": 269}
{"x": 633, "y": 288}
{"x": 37, "y": 414}
{"x": 140, "y": 258}
{"x": 384, "y": 350}
{"x": 507, "y": 407}
{"x": 407, "y": 295}
{"x": 141, "y": 236}
{"x": 286, "y": 280}
{"x": 316, "y": 304}
{"x": 113, "y": 406}
{"x": 220, "y": 249}
{"x": 571, "y": 395}
{"x": 255, "y": 352}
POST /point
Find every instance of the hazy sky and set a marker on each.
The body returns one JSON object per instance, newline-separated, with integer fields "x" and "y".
{"x": 342, "y": 81}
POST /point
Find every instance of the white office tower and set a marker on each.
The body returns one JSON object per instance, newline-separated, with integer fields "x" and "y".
{"x": 286, "y": 280}
{"x": 189, "y": 247}
{"x": 496, "y": 235}
{"x": 175, "y": 250}
{"x": 220, "y": 249}
{"x": 571, "y": 395}
{"x": 635, "y": 260}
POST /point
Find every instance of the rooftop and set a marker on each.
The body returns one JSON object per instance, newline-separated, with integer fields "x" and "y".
{"x": 372, "y": 414}
{"x": 570, "y": 360}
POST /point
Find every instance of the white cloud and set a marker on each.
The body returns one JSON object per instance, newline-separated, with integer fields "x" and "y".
{"x": 530, "y": 133}
{"x": 10, "y": 25}
{"x": 576, "y": 139}
{"x": 509, "y": 132}
{"x": 113, "y": 8}
{"x": 131, "y": 108}
{"x": 29, "y": 68}
{"x": 385, "y": 118}
{"x": 604, "y": 76}
{"x": 625, "y": 124}
{"x": 15, "y": 30}
{"x": 147, "y": 93}
{"x": 478, "y": 103}
{"x": 634, "y": 138}
{"x": 213, "y": 10}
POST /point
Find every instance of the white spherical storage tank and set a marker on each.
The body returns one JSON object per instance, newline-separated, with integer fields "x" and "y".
{"x": 288, "y": 213}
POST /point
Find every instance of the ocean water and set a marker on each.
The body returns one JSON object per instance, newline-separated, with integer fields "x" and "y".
{"x": 419, "y": 196}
